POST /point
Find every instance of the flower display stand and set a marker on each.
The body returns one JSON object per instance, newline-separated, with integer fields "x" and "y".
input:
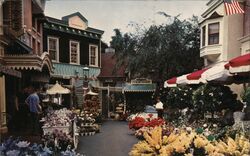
{"x": 86, "y": 123}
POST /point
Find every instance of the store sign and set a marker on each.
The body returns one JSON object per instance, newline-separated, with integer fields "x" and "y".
{"x": 141, "y": 81}
{"x": 9, "y": 71}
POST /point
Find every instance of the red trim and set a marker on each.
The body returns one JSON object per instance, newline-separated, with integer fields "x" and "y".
{"x": 196, "y": 75}
{"x": 240, "y": 61}
{"x": 172, "y": 81}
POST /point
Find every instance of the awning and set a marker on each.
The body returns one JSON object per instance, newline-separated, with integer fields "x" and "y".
{"x": 170, "y": 83}
{"x": 195, "y": 77}
{"x": 182, "y": 80}
{"x": 9, "y": 71}
{"x": 139, "y": 88}
{"x": 239, "y": 64}
{"x": 216, "y": 73}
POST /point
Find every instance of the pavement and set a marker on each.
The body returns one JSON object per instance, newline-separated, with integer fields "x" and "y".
{"x": 114, "y": 139}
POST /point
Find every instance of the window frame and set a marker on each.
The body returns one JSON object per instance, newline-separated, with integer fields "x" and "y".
{"x": 78, "y": 51}
{"x": 213, "y": 35}
{"x": 203, "y": 36}
{"x": 96, "y": 57}
{"x": 57, "y": 47}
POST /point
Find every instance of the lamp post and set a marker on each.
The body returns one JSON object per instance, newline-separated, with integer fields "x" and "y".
{"x": 86, "y": 71}
{"x": 85, "y": 83}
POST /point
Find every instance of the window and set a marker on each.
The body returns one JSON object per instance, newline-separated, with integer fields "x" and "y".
{"x": 34, "y": 45}
{"x": 39, "y": 28}
{"x": 213, "y": 33}
{"x": 33, "y": 22}
{"x": 74, "y": 52}
{"x": 203, "y": 35}
{"x": 53, "y": 48}
{"x": 93, "y": 55}
{"x": 38, "y": 47}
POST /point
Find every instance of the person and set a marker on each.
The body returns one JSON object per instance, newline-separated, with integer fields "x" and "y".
{"x": 33, "y": 102}
{"x": 159, "y": 107}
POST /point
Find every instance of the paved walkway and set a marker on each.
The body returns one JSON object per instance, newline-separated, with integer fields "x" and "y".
{"x": 115, "y": 139}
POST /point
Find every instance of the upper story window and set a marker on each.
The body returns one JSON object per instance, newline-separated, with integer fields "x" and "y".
{"x": 203, "y": 36}
{"x": 93, "y": 55}
{"x": 53, "y": 48}
{"x": 74, "y": 52}
{"x": 213, "y": 33}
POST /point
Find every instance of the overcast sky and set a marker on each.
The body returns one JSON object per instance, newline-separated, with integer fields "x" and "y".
{"x": 110, "y": 14}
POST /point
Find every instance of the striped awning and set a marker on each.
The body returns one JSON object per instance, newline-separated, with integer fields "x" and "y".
{"x": 239, "y": 64}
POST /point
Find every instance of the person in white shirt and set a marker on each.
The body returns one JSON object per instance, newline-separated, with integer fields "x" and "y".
{"x": 159, "y": 108}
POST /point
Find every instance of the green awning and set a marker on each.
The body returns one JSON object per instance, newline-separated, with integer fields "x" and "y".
{"x": 139, "y": 88}
{"x": 70, "y": 70}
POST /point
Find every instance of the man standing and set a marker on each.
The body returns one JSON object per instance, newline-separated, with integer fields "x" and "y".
{"x": 159, "y": 107}
{"x": 34, "y": 108}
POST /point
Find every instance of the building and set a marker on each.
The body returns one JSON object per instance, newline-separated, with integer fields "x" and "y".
{"x": 224, "y": 37}
{"x": 21, "y": 49}
{"x": 112, "y": 79}
{"x": 72, "y": 45}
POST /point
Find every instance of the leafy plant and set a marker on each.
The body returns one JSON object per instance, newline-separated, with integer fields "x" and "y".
{"x": 214, "y": 98}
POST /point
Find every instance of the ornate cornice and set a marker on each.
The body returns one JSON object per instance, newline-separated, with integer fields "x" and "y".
{"x": 28, "y": 62}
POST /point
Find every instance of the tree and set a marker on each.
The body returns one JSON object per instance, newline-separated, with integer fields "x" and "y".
{"x": 167, "y": 50}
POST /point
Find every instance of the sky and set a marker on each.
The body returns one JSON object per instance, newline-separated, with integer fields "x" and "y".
{"x": 107, "y": 15}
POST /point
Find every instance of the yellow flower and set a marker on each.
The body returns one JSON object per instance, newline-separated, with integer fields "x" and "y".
{"x": 200, "y": 141}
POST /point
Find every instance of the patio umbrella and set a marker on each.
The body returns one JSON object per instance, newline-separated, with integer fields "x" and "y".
{"x": 57, "y": 89}
{"x": 216, "y": 73}
{"x": 170, "y": 83}
{"x": 240, "y": 64}
{"x": 92, "y": 93}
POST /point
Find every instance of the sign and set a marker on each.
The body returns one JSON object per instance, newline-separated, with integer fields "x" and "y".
{"x": 141, "y": 81}
{"x": 9, "y": 71}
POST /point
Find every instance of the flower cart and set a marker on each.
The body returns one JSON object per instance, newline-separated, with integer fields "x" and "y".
{"x": 61, "y": 124}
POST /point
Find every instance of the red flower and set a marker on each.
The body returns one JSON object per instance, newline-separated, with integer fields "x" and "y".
{"x": 150, "y": 115}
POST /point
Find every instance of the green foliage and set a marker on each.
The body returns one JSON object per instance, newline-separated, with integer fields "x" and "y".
{"x": 246, "y": 96}
{"x": 212, "y": 98}
{"x": 180, "y": 97}
{"x": 160, "y": 51}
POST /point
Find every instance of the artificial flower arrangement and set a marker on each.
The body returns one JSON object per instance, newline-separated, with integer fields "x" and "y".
{"x": 189, "y": 142}
{"x": 149, "y": 121}
{"x": 16, "y": 147}
{"x": 58, "y": 140}
{"x": 58, "y": 119}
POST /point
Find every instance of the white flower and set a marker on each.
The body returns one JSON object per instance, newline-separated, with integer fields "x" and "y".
{"x": 211, "y": 94}
{"x": 189, "y": 129}
{"x": 205, "y": 125}
{"x": 206, "y": 133}
{"x": 13, "y": 153}
{"x": 23, "y": 144}
{"x": 214, "y": 125}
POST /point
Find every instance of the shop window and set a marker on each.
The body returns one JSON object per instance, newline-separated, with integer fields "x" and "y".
{"x": 213, "y": 33}
{"x": 53, "y": 48}
{"x": 203, "y": 35}
{"x": 74, "y": 52}
{"x": 93, "y": 55}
